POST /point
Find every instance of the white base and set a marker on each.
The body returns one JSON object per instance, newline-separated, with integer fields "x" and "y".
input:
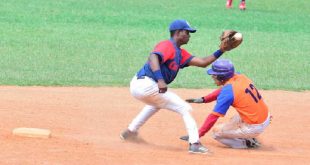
{"x": 32, "y": 132}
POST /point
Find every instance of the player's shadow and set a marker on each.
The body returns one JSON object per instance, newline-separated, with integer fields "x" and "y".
{"x": 141, "y": 141}
{"x": 266, "y": 148}
{"x": 258, "y": 149}
{"x": 137, "y": 140}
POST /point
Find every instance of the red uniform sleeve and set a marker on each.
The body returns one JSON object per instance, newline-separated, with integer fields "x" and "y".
{"x": 212, "y": 96}
{"x": 186, "y": 58}
{"x": 208, "y": 124}
{"x": 165, "y": 50}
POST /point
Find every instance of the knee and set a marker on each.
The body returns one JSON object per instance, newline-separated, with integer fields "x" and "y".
{"x": 216, "y": 128}
{"x": 216, "y": 131}
{"x": 215, "y": 135}
{"x": 185, "y": 109}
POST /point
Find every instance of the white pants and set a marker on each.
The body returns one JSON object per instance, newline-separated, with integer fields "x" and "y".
{"x": 146, "y": 90}
{"x": 235, "y": 132}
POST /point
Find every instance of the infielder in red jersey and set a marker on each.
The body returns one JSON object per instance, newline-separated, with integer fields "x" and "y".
{"x": 149, "y": 85}
{"x": 239, "y": 92}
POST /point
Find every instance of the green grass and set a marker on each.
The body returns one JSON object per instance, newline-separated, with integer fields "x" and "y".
{"x": 105, "y": 42}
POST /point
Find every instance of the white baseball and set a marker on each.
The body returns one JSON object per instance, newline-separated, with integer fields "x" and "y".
{"x": 238, "y": 36}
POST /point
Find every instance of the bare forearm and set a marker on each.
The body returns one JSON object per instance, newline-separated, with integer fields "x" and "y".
{"x": 205, "y": 61}
{"x": 154, "y": 62}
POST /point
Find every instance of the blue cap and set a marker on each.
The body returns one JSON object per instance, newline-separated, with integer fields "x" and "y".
{"x": 180, "y": 24}
{"x": 222, "y": 67}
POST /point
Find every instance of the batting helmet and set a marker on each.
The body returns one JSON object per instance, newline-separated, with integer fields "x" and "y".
{"x": 223, "y": 69}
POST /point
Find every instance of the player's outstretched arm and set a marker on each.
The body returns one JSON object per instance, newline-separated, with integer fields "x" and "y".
{"x": 212, "y": 96}
{"x": 205, "y": 61}
{"x": 196, "y": 100}
{"x": 230, "y": 39}
{"x": 205, "y": 99}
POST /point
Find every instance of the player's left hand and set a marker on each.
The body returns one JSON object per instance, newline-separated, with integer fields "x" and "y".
{"x": 198, "y": 100}
{"x": 162, "y": 86}
{"x": 230, "y": 39}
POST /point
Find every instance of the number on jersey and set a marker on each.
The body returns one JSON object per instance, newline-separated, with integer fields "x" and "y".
{"x": 256, "y": 97}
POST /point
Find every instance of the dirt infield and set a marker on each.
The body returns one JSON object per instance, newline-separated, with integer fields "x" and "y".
{"x": 86, "y": 122}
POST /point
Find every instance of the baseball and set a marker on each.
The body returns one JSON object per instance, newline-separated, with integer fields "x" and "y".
{"x": 238, "y": 36}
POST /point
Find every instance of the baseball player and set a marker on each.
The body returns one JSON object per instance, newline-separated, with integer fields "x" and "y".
{"x": 149, "y": 85}
{"x": 241, "y": 5}
{"x": 238, "y": 91}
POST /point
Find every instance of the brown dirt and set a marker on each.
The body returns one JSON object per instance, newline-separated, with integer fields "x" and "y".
{"x": 86, "y": 122}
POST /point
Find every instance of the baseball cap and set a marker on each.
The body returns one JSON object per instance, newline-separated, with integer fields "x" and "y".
{"x": 181, "y": 24}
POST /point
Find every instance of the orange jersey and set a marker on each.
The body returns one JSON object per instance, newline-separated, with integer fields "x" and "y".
{"x": 240, "y": 93}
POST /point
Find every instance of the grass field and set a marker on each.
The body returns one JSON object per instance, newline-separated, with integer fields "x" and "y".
{"x": 105, "y": 42}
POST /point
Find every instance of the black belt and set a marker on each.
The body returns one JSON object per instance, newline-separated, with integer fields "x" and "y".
{"x": 141, "y": 77}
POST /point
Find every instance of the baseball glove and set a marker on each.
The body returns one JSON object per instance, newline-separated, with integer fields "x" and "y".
{"x": 230, "y": 39}
{"x": 198, "y": 100}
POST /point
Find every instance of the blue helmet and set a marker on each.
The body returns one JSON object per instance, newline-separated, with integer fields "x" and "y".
{"x": 223, "y": 69}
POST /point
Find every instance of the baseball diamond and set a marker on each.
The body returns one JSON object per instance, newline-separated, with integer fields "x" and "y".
{"x": 85, "y": 126}
{"x": 113, "y": 82}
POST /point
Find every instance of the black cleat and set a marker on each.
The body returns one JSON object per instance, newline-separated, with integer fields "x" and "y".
{"x": 252, "y": 143}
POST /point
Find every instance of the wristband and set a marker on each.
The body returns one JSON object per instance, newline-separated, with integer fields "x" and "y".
{"x": 218, "y": 53}
{"x": 158, "y": 75}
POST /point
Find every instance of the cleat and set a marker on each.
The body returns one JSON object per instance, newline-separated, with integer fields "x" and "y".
{"x": 228, "y": 4}
{"x": 242, "y": 5}
{"x": 198, "y": 148}
{"x": 127, "y": 135}
{"x": 185, "y": 138}
{"x": 252, "y": 143}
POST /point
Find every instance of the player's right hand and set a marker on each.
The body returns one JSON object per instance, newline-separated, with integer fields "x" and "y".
{"x": 198, "y": 100}
{"x": 162, "y": 86}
